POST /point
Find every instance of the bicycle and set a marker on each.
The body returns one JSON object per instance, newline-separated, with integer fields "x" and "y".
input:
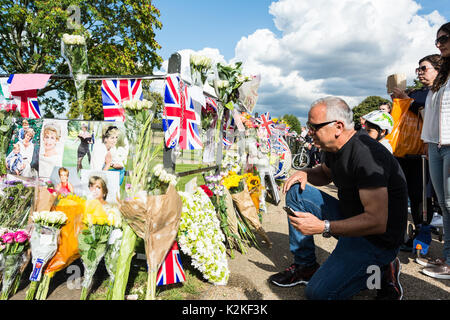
{"x": 301, "y": 160}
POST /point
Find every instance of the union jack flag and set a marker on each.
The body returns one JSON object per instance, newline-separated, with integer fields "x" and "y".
{"x": 27, "y": 100}
{"x": 171, "y": 271}
{"x": 226, "y": 142}
{"x": 181, "y": 121}
{"x": 211, "y": 102}
{"x": 266, "y": 121}
{"x": 115, "y": 92}
{"x": 281, "y": 144}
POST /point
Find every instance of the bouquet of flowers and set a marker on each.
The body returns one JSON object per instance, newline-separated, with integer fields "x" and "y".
{"x": 114, "y": 242}
{"x": 67, "y": 251}
{"x": 138, "y": 122}
{"x": 209, "y": 117}
{"x": 231, "y": 162}
{"x": 201, "y": 237}
{"x": 227, "y": 86}
{"x": 6, "y": 130}
{"x": 254, "y": 186}
{"x": 222, "y": 201}
{"x": 154, "y": 218}
{"x": 93, "y": 241}
{"x": 73, "y": 49}
{"x": 13, "y": 246}
{"x": 160, "y": 180}
{"x": 200, "y": 65}
{"x": 15, "y": 202}
{"x": 244, "y": 203}
{"x": 44, "y": 242}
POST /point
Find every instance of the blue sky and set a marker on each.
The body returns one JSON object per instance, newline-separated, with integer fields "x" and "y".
{"x": 198, "y": 24}
{"x": 307, "y": 49}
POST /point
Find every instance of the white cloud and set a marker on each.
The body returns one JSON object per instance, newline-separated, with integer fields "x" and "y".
{"x": 345, "y": 48}
{"x": 335, "y": 47}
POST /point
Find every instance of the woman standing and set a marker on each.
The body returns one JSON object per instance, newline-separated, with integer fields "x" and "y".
{"x": 436, "y": 133}
{"x": 83, "y": 149}
{"x": 411, "y": 164}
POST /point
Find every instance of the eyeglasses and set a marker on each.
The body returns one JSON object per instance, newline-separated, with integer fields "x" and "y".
{"x": 422, "y": 68}
{"x": 316, "y": 126}
{"x": 442, "y": 39}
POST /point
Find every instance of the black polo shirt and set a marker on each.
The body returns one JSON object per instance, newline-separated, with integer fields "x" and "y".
{"x": 365, "y": 163}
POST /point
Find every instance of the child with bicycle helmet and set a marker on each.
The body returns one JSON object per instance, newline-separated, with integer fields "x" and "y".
{"x": 379, "y": 124}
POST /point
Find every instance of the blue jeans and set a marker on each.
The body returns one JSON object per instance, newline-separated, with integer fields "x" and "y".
{"x": 346, "y": 271}
{"x": 439, "y": 162}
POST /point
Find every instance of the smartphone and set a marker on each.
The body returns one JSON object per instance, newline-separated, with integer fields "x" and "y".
{"x": 289, "y": 211}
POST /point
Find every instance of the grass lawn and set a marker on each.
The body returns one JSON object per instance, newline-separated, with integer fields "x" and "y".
{"x": 70, "y": 156}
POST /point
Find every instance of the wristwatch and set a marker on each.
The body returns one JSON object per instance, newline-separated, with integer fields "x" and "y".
{"x": 326, "y": 232}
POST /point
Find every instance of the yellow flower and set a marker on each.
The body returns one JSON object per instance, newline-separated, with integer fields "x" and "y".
{"x": 95, "y": 213}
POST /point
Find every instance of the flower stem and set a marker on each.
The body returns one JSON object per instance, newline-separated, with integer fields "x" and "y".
{"x": 43, "y": 287}
{"x": 151, "y": 285}
{"x": 32, "y": 290}
{"x": 123, "y": 263}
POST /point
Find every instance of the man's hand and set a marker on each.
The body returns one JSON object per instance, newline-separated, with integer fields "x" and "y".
{"x": 298, "y": 177}
{"x": 307, "y": 223}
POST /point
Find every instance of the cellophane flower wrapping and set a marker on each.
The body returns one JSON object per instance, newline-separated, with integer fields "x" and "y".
{"x": 114, "y": 243}
{"x": 201, "y": 238}
{"x": 6, "y": 131}
{"x": 93, "y": 241}
{"x": 200, "y": 66}
{"x": 13, "y": 245}
{"x": 44, "y": 243}
{"x": 223, "y": 204}
{"x": 154, "y": 218}
{"x": 67, "y": 252}
{"x": 16, "y": 198}
{"x": 74, "y": 50}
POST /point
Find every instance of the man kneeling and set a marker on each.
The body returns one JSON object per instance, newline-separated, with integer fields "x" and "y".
{"x": 369, "y": 219}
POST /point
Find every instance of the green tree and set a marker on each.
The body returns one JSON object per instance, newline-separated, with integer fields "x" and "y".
{"x": 293, "y": 122}
{"x": 369, "y": 104}
{"x": 120, "y": 40}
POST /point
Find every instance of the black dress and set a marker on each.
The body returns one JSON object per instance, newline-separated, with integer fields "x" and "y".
{"x": 83, "y": 148}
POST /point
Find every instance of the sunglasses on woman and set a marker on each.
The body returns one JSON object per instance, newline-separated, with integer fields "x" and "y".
{"x": 422, "y": 68}
{"x": 442, "y": 39}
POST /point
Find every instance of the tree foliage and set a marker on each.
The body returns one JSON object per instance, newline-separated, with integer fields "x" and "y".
{"x": 119, "y": 35}
{"x": 369, "y": 104}
{"x": 293, "y": 122}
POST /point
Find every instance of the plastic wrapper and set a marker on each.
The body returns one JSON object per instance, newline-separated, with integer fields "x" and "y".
{"x": 11, "y": 271}
{"x": 405, "y": 135}
{"x": 67, "y": 251}
{"x": 247, "y": 209}
{"x": 112, "y": 256}
{"x": 92, "y": 244}
{"x": 44, "y": 243}
{"x": 155, "y": 219}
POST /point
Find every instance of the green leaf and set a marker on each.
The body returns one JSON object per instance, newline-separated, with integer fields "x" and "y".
{"x": 91, "y": 255}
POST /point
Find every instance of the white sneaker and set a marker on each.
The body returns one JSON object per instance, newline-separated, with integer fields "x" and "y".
{"x": 437, "y": 221}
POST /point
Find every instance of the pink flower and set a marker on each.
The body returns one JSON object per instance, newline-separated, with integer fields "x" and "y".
{"x": 8, "y": 237}
{"x": 21, "y": 236}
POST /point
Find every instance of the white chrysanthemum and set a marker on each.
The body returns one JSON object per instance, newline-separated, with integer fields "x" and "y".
{"x": 201, "y": 237}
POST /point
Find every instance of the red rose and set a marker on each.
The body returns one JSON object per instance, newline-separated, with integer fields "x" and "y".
{"x": 208, "y": 192}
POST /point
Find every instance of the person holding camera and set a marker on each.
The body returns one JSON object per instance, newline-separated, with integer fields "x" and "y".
{"x": 369, "y": 219}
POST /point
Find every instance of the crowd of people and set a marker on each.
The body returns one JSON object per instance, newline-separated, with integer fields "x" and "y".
{"x": 370, "y": 216}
